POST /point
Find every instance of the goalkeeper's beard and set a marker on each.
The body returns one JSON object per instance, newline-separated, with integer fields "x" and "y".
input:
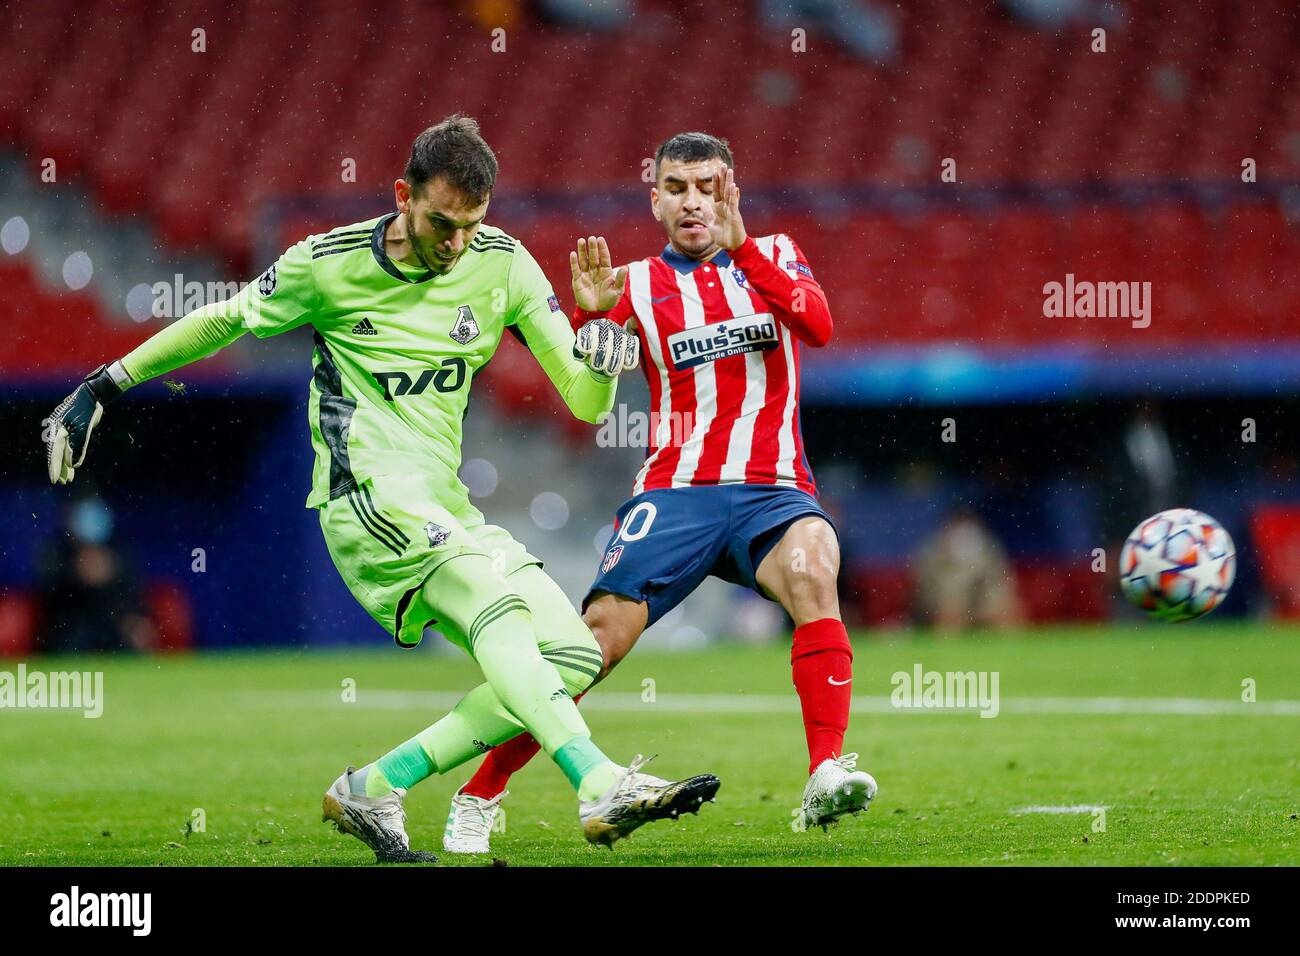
{"x": 441, "y": 268}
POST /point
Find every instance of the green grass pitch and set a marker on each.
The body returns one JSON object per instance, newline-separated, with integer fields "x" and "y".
{"x": 1147, "y": 722}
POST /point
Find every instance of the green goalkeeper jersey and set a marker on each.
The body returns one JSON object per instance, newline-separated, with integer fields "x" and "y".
{"x": 396, "y": 350}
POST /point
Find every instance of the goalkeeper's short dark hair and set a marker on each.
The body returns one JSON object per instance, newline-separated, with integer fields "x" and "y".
{"x": 693, "y": 148}
{"x": 455, "y": 150}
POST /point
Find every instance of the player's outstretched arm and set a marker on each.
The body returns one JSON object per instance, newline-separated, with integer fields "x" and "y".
{"x": 66, "y": 433}
{"x": 798, "y": 303}
{"x": 789, "y": 289}
{"x": 536, "y": 313}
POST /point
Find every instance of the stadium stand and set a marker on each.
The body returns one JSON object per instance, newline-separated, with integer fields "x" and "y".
{"x": 1104, "y": 166}
{"x": 192, "y": 141}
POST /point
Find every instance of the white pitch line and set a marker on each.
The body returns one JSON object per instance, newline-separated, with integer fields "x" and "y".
{"x": 781, "y": 704}
{"x": 1079, "y": 808}
{"x": 1183, "y": 706}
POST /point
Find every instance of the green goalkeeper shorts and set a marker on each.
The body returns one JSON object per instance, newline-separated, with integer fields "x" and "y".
{"x": 387, "y": 536}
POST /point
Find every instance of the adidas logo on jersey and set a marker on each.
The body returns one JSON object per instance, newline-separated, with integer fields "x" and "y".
{"x": 364, "y": 328}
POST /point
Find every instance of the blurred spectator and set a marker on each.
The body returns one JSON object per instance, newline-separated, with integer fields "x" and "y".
{"x": 867, "y": 30}
{"x": 1151, "y": 457}
{"x": 1143, "y": 478}
{"x": 1050, "y": 14}
{"x": 590, "y": 14}
{"x": 490, "y": 14}
{"x": 90, "y": 600}
{"x": 963, "y": 578}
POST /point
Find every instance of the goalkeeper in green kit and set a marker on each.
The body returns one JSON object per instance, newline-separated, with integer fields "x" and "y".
{"x": 406, "y": 308}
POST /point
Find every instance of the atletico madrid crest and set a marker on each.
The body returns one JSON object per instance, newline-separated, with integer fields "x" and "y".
{"x": 611, "y": 558}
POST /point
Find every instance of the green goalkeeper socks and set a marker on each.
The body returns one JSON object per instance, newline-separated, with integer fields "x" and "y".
{"x": 399, "y": 769}
{"x": 478, "y": 722}
{"x": 403, "y": 767}
{"x": 524, "y": 691}
{"x": 589, "y": 771}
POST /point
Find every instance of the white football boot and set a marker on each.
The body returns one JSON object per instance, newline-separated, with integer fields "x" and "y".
{"x": 836, "y": 787}
{"x": 378, "y": 822}
{"x": 639, "y": 798}
{"x": 469, "y": 824}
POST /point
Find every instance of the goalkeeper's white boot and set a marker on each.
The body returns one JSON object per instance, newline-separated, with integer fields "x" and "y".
{"x": 470, "y": 822}
{"x": 638, "y": 798}
{"x": 836, "y": 787}
{"x": 378, "y": 822}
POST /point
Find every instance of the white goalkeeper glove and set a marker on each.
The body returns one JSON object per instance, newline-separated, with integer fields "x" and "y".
{"x": 67, "y": 431}
{"x": 607, "y": 348}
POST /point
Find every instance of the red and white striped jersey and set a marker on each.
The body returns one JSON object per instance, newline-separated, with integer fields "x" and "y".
{"x": 720, "y": 350}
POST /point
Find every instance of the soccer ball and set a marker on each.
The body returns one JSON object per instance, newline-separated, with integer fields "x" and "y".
{"x": 1177, "y": 565}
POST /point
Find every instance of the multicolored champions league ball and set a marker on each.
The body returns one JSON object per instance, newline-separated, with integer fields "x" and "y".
{"x": 1177, "y": 565}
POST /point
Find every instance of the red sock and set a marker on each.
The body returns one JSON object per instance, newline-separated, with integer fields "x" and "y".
{"x": 502, "y": 763}
{"x": 822, "y": 661}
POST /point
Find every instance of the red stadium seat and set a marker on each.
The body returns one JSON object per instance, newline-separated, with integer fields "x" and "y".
{"x": 881, "y": 595}
{"x": 18, "y": 616}
{"x": 168, "y": 606}
{"x": 1055, "y": 591}
{"x": 1275, "y": 533}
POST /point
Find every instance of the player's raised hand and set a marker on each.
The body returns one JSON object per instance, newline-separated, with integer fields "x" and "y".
{"x": 597, "y": 286}
{"x": 727, "y": 228}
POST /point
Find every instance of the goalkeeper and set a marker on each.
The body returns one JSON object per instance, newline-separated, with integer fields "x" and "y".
{"x": 405, "y": 309}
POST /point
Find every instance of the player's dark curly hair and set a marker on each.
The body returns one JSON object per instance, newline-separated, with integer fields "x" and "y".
{"x": 692, "y": 148}
{"x": 454, "y": 149}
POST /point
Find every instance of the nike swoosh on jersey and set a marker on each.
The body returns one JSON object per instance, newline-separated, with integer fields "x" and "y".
{"x": 665, "y": 298}
{"x": 838, "y": 683}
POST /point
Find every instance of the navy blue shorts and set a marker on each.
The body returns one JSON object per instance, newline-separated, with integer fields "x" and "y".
{"x": 669, "y": 540}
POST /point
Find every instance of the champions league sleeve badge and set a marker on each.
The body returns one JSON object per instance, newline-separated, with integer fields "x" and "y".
{"x": 266, "y": 282}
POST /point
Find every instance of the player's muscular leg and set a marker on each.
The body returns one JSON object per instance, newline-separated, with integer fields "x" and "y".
{"x": 801, "y": 571}
{"x": 616, "y": 622}
{"x": 500, "y": 634}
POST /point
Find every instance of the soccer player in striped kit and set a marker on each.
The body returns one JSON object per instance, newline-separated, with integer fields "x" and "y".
{"x": 726, "y": 489}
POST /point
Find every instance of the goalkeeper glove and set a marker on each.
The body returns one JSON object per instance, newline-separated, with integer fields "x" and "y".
{"x": 67, "y": 430}
{"x": 607, "y": 348}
